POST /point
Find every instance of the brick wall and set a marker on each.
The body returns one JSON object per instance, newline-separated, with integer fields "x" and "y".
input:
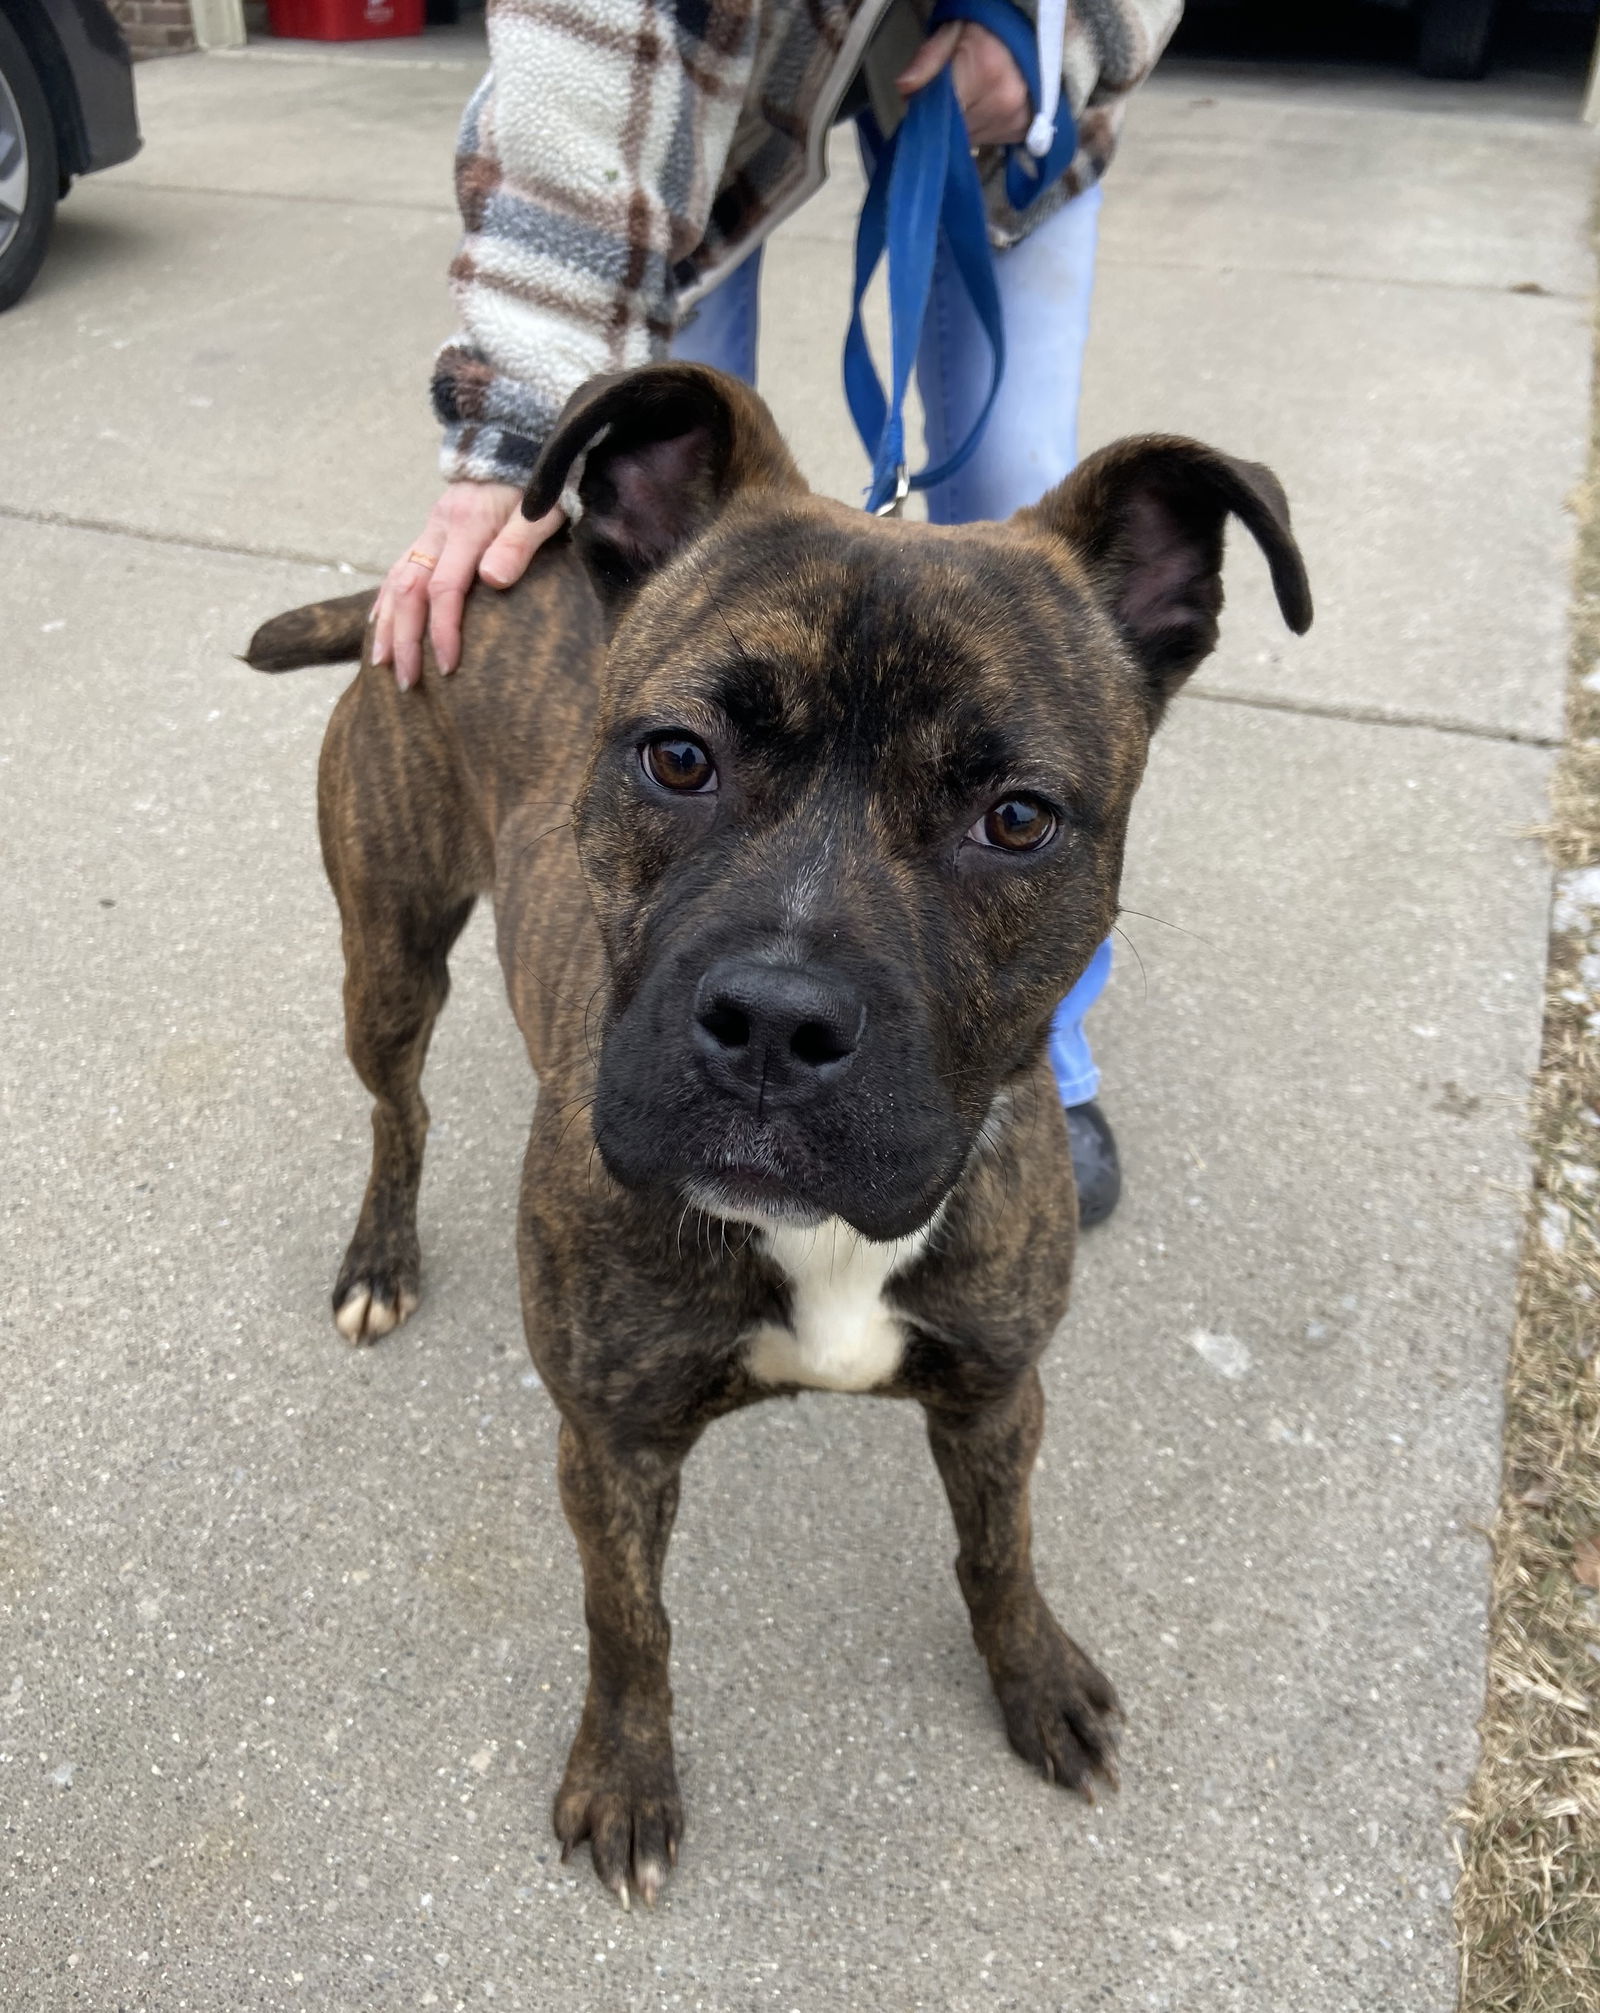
{"x": 155, "y": 27}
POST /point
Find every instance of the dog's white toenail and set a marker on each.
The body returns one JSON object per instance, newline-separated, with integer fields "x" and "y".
{"x": 351, "y": 1319}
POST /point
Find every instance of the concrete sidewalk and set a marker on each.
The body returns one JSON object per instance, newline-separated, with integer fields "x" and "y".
{"x": 292, "y": 1638}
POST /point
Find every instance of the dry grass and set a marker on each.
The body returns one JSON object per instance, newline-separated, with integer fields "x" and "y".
{"x": 1528, "y": 1902}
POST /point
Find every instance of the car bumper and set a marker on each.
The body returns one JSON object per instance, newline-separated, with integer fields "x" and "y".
{"x": 105, "y": 119}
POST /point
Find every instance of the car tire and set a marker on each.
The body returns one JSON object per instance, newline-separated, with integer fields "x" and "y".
{"x": 1453, "y": 37}
{"x": 30, "y": 171}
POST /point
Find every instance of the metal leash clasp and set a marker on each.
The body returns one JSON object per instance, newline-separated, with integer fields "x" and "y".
{"x": 896, "y": 503}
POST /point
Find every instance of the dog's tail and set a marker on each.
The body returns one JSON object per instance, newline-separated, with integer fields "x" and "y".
{"x": 328, "y": 632}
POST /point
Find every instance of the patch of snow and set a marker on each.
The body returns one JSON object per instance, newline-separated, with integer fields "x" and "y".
{"x": 1577, "y": 903}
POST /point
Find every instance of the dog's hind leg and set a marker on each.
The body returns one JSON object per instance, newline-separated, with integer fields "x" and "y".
{"x": 396, "y": 980}
{"x": 405, "y": 855}
{"x": 1059, "y": 1711}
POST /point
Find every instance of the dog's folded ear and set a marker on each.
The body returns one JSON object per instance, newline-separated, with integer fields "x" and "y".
{"x": 665, "y": 447}
{"x": 1146, "y": 517}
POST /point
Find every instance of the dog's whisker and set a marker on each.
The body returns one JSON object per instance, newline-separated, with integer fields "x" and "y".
{"x": 525, "y": 965}
{"x": 588, "y": 1024}
{"x": 1145, "y": 917}
{"x": 523, "y": 847}
{"x": 716, "y": 609}
{"x": 585, "y": 1106}
{"x": 566, "y": 1104}
{"x": 530, "y": 971}
{"x": 1144, "y": 977}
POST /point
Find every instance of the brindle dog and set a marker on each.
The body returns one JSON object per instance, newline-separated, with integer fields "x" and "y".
{"x": 798, "y": 824}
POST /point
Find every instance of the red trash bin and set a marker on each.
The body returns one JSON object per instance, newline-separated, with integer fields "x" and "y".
{"x": 344, "y": 20}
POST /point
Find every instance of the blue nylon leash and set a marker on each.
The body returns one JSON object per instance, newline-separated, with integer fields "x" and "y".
{"x": 924, "y": 182}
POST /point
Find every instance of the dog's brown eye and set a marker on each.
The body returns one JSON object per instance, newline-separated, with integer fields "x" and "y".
{"x": 1016, "y": 825}
{"x": 677, "y": 763}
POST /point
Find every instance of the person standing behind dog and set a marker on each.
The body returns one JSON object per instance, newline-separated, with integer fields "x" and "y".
{"x": 618, "y": 171}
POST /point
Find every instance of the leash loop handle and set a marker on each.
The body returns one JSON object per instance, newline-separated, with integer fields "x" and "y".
{"x": 923, "y": 181}
{"x": 1028, "y": 175}
{"x": 925, "y": 185}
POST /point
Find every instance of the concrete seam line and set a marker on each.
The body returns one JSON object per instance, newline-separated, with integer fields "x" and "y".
{"x": 1374, "y": 716}
{"x": 61, "y": 520}
{"x": 1532, "y": 290}
{"x": 287, "y": 196}
{"x": 253, "y": 54}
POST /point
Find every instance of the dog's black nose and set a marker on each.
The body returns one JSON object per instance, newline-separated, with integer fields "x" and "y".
{"x": 773, "y": 1033}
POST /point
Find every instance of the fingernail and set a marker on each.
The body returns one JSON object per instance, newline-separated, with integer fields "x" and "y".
{"x": 380, "y": 653}
{"x": 494, "y": 579}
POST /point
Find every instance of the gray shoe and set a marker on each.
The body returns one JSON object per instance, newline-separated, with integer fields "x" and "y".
{"x": 1095, "y": 1163}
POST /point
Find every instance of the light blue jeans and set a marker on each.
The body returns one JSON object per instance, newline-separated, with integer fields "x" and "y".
{"x": 1031, "y": 440}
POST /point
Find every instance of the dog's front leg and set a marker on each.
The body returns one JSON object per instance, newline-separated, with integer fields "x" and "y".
{"x": 1059, "y": 1710}
{"x": 620, "y": 1790}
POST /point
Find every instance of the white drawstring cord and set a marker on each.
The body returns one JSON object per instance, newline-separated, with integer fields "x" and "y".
{"x": 1052, "y": 33}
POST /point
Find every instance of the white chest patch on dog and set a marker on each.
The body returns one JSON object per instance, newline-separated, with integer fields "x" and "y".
{"x": 841, "y": 1335}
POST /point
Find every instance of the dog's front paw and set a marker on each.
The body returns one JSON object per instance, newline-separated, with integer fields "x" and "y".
{"x": 378, "y": 1286}
{"x": 1060, "y": 1712}
{"x": 623, "y": 1798}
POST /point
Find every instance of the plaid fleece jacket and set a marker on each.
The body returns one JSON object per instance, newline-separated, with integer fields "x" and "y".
{"x": 621, "y": 155}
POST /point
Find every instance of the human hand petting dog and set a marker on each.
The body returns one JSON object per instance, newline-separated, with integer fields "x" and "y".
{"x": 476, "y": 531}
